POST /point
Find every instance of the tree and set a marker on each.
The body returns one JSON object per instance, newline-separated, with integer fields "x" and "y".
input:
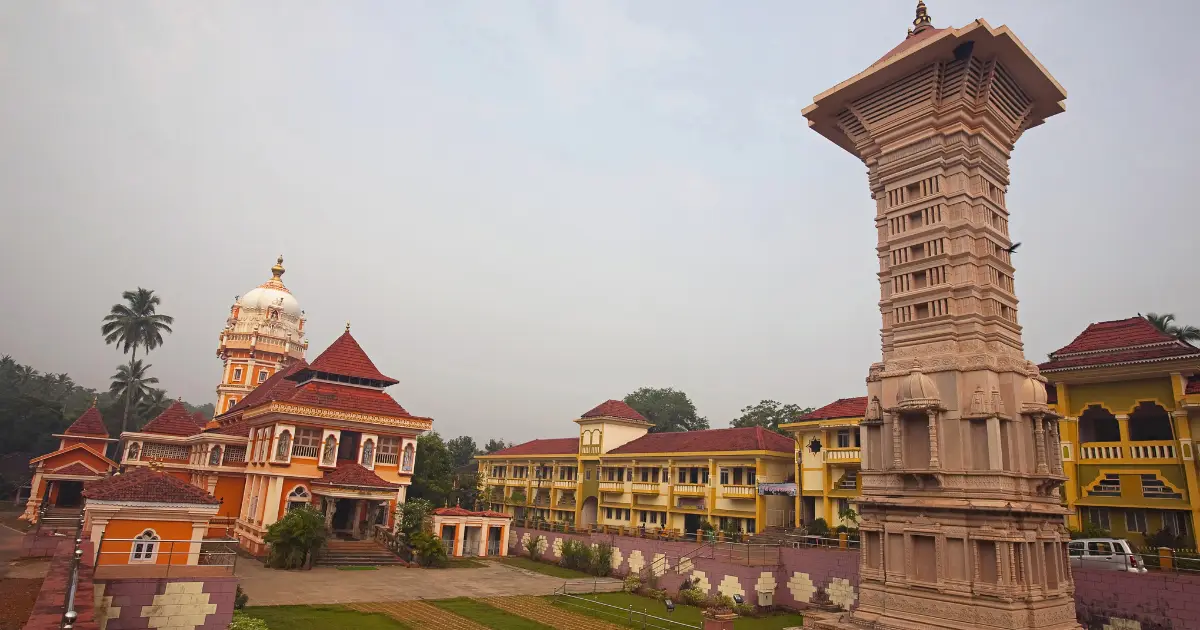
{"x": 25, "y": 374}
{"x": 494, "y": 445}
{"x": 769, "y": 414}
{"x": 153, "y": 403}
{"x": 131, "y": 383}
{"x": 667, "y": 409}
{"x": 295, "y": 538}
{"x": 462, "y": 450}
{"x": 432, "y": 478}
{"x": 1166, "y": 323}
{"x": 411, "y": 516}
{"x": 135, "y": 323}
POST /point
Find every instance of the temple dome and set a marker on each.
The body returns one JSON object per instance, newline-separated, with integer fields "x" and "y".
{"x": 272, "y": 293}
{"x": 917, "y": 387}
{"x": 1033, "y": 391}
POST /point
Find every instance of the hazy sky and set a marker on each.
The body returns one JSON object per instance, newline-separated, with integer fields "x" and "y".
{"x": 526, "y": 208}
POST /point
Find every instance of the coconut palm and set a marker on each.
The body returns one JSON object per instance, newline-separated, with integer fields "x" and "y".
{"x": 135, "y": 323}
{"x": 25, "y": 374}
{"x": 132, "y": 382}
{"x": 1166, "y": 323}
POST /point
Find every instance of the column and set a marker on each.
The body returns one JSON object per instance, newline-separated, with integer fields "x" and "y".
{"x": 198, "y": 531}
{"x": 330, "y": 508}
{"x": 1069, "y": 434}
{"x": 933, "y": 417}
{"x": 460, "y": 533}
{"x": 897, "y": 461}
{"x": 485, "y": 531}
{"x": 504, "y": 536}
{"x": 1123, "y": 425}
{"x": 274, "y": 490}
{"x": 1056, "y": 462}
{"x": 1187, "y": 453}
{"x": 760, "y": 502}
{"x": 1039, "y": 443}
{"x": 995, "y": 448}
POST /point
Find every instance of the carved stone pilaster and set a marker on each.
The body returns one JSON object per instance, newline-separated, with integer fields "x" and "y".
{"x": 1039, "y": 443}
{"x": 897, "y": 461}
{"x": 933, "y": 416}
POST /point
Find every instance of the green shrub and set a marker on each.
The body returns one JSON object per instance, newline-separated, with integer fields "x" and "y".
{"x": 240, "y": 598}
{"x": 745, "y": 610}
{"x": 632, "y": 583}
{"x": 1090, "y": 530}
{"x": 602, "y": 560}
{"x": 818, "y": 527}
{"x": 720, "y": 600}
{"x": 692, "y": 597}
{"x": 242, "y": 621}
{"x": 428, "y": 550}
{"x": 535, "y": 546}
{"x": 576, "y": 555}
{"x": 295, "y": 538}
{"x": 657, "y": 593}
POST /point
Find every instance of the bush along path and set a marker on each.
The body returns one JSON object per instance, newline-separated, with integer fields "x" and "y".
{"x": 548, "y": 614}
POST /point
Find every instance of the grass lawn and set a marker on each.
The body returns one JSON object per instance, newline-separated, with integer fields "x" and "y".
{"x": 489, "y": 616}
{"x": 321, "y": 618}
{"x": 544, "y": 568}
{"x": 463, "y": 563}
{"x": 683, "y": 614}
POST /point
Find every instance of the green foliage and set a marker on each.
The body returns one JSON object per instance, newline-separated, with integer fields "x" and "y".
{"x": 602, "y": 560}
{"x": 632, "y": 583}
{"x": 1089, "y": 530}
{"x": 413, "y": 516}
{"x": 769, "y": 414}
{"x": 132, "y": 382}
{"x": 720, "y": 600}
{"x": 1166, "y": 323}
{"x": 706, "y": 526}
{"x": 535, "y": 546}
{"x": 462, "y": 450}
{"x": 848, "y": 514}
{"x": 494, "y": 445}
{"x": 818, "y": 527}
{"x": 745, "y": 610}
{"x": 576, "y": 555}
{"x": 667, "y": 409}
{"x": 240, "y": 598}
{"x": 433, "y": 473}
{"x": 294, "y": 538}
{"x": 428, "y": 549}
{"x": 692, "y": 597}
{"x": 468, "y": 490}
{"x": 242, "y": 621}
{"x": 136, "y": 323}
{"x": 1164, "y": 538}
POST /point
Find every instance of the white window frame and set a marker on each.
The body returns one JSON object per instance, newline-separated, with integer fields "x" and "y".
{"x": 262, "y": 375}
{"x": 1135, "y": 521}
{"x": 237, "y": 374}
{"x": 144, "y": 550}
{"x": 299, "y": 496}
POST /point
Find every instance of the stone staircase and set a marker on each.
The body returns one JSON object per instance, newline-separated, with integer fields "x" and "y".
{"x": 777, "y": 536}
{"x": 361, "y": 553}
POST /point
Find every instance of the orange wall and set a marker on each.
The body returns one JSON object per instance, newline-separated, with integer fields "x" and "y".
{"x": 114, "y": 552}
{"x": 229, "y": 490}
{"x": 78, "y": 455}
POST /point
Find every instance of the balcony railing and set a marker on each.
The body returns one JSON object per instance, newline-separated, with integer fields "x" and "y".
{"x": 299, "y": 450}
{"x": 1163, "y": 450}
{"x": 647, "y": 487}
{"x": 691, "y": 489}
{"x": 852, "y": 454}
{"x": 739, "y": 492}
{"x": 515, "y": 481}
{"x": 542, "y": 500}
{"x": 564, "y": 484}
{"x": 612, "y": 486}
{"x": 1152, "y": 450}
{"x": 1100, "y": 450}
{"x": 589, "y": 449}
{"x": 385, "y": 458}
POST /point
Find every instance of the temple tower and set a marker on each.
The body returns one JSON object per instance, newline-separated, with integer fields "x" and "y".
{"x": 263, "y": 334}
{"x": 961, "y": 519}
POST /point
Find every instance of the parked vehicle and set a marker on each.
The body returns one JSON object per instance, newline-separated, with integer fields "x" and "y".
{"x": 1113, "y": 554}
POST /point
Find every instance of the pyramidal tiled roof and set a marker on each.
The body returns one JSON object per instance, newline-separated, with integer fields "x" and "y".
{"x": 615, "y": 409}
{"x": 149, "y": 486}
{"x": 840, "y": 408}
{"x": 353, "y": 474}
{"x": 91, "y": 423}
{"x": 1122, "y": 341}
{"x": 174, "y": 421}
{"x": 345, "y": 357}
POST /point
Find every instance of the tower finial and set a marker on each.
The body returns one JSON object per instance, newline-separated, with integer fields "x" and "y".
{"x": 95, "y": 398}
{"x": 347, "y": 326}
{"x": 922, "y": 20}
{"x": 278, "y": 270}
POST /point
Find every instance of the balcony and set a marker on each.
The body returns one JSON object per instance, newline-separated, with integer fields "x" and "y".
{"x": 1152, "y": 450}
{"x": 542, "y": 499}
{"x": 305, "y": 451}
{"x": 564, "y": 484}
{"x": 851, "y": 455}
{"x": 515, "y": 481}
{"x": 1129, "y": 452}
{"x": 589, "y": 449}
{"x": 739, "y": 492}
{"x": 612, "y": 486}
{"x": 647, "y": 487}
{"x": 691, "y": 489}
{"x": 566, "y": 500}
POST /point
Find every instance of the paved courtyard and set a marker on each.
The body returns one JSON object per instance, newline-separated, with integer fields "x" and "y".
{"x": 269, "y": 587}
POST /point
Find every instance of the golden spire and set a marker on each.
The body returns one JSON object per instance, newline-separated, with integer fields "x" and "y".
{"x": 922, "y": 20}
{"x": 94, "y": 399}
{"x": 347, "y": 326}
{"x": 277, "y": 270}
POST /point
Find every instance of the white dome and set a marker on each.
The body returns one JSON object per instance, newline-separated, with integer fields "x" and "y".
{"x": 262, "y": 297}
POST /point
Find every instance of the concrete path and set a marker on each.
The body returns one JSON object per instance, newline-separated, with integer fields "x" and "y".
{"x": 10, "y": 550}
{"x": 270, "y": 587}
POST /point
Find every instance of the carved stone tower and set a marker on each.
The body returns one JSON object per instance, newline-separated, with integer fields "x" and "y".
{"x": 961, "y": 520}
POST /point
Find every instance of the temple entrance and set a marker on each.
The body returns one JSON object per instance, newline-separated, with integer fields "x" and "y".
{"x": 343, "y": 516}
{"x": 70, "y": 494}
{"x": 587, "y": 515}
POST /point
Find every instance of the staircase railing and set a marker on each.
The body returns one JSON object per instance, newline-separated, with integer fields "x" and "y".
{"x": 659, "y": 566}
{"x": 69, "y": 614}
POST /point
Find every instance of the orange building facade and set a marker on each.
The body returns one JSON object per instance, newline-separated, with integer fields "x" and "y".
{"x": 58, "y": 477}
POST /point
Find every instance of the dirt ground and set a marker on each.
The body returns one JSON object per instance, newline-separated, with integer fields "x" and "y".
{"x": 17, "y": 596}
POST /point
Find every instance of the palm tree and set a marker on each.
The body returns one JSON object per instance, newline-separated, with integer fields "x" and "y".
{"x": 25, "y": 373}
{"x": 1166, "y": 323}
{"x": 153, "y": 403}
{"x": 135, "y": 323}
{"x": 131, "y": 383}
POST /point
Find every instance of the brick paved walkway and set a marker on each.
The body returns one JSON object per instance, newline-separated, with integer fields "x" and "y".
{"x": 419, "y": 615}
{"x": 544, "y": 612}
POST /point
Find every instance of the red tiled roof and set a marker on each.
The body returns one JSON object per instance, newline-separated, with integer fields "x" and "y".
{"x": 353, "y": 474}
{"x": 149, "y": 486}
{"x": 840, "y": 408}
{"x": 346, "y": 358}
{"x": 174, "y": 421}
{"x": 235, "y": 428}
{"x": 90, "y": 423}
{"x": 199, "y": 419}
{"x": 1132, "y": 340}
{"x": 713, "y": 440}
{"x": 76, "y": 469}
{"x": 909, "y": 42}
{"x": 615, "y": 409}
{"x": 554, "y": 446}
{"x": 270, "y": 389}
{"x": 347, "y": 398}
{"x": 457, "y": 511}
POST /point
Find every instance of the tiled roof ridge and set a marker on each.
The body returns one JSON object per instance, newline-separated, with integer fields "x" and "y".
{"x": 523, "y": 447}
{"x": 146, "y": 485}
{"x": 89, "y": 424}
{"x": 353, "y": 474}
{"x": 762, "y": 440}
{"x": 174, "y": 420}
{"x": 265, "y": 390}
{"x": 613, "y": 408}
{"x": 345, "y": 357}
{"x": 826, "y": 412}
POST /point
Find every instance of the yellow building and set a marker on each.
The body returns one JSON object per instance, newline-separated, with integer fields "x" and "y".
{"x": 264, "y": 334}
{"x": 828, "y": 451}
{"x": 616, "y": 473}
{"x": 1129, "y": 403}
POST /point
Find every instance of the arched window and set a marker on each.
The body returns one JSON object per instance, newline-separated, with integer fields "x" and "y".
{"x": 329, "y": 454}
{"x": 1097, "y": 424}
{"x": 298, "y": 498}
{"x": 410, "y": 456}
{"x": 368, "y": 454}
{"x": 145, "y": 548}
{"x": 285, "y": 447}
{"x": 133, "y": 451}
{"x": 1149, "y": 421}
{"x": 214, "y": 456}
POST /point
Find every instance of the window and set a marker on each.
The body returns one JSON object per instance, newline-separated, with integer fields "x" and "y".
{"x": 307, "y": 443}
{"x": 214, "y": 456}
{"x": 724, "y": 476}
{"x": 587, "y": 474}
{"x": 283, "y": 450}
{"x": 132, "y": 453}
{"x": 237, "y": 374}
{"x": 1135, "y": 521}
{"x": 843, "y": 438}
{"x": 229, "y": 405}
{"x": 1175, "y": 522}
{"x": 298, "y": 498}
{"x": 1099, "y": 548}
{"x": 1155, "y": 488}
{"x": 410, "y": 456}
{"x": 145, "y": 548}
{"x": 1098, "y": 517}
{"x": 389, "y": 450}
{"x": 1075, "y": 549}
{"x": 841, "y": 505}
{"x": 737, "y": 476}
{"x": 750, "y": 473}
{"x": 368, "y": 453}
{"x": 1110, "y": 486}
{"x": 262, "y": 375}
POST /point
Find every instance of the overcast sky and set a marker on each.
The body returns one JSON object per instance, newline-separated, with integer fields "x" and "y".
{"x": 526, "y": 208}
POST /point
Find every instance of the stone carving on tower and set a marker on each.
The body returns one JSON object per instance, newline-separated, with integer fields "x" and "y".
{"x": 961, "y": 518}
{"x": 263, "y": 334}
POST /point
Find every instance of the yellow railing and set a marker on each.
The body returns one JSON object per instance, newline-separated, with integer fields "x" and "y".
{"x": 1164, "y": 450}
{"x": 1152, "y": 450}
{"x": 739, "y": 492}
{"x": 1100, "y": 450}
{"x": 852, "y": 454}
{"x": 515, "y": 482}
{"x": 691, "y": 489}
{"x": 612, "y": 486}
{"x": 564, "y": 484}
{"x": 589, "y": 449}
{"x": 647, "y": 487}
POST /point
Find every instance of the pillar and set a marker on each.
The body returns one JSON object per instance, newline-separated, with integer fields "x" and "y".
{"x": 460, "y": 534}
{"x": 1123, "y": 425}
{"x": 1068, "y": 429}
{"x": 760, "y": 502}
{"x": 995, "y": 448}
{"x": 485, "y": 532}
{"x": 1039, "y": 444}
{"x": 507, "y": 524}
{"x": 198, "y": 531}
{"x": 274, "y": 491}
{"x": 934, "y": 463}
{"x": 330, "y": 508}
{"x": 1187, "y": 453}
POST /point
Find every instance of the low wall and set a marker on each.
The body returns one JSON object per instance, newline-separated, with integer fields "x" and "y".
{"x": 174, "y": 603}
{"x": 794, "y": 583}
{"x": 48, "y": 609}
{"x": 1155, "y": 600}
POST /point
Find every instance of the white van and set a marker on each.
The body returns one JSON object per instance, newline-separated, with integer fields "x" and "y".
{"x": 1113, "y": 554}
